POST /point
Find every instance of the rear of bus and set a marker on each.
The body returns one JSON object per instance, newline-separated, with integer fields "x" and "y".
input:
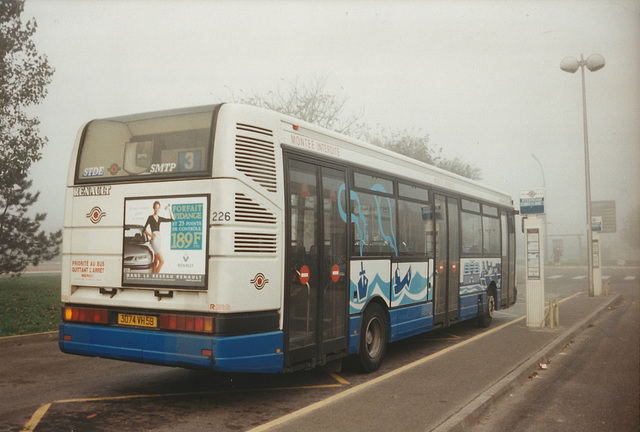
{"x": 172, "y": 233}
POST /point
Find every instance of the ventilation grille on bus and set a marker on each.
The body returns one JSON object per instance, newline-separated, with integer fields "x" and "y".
{"x": 249, "y": 211}
{"x": 256, "y": 155}
{"x": 254, "y": 242}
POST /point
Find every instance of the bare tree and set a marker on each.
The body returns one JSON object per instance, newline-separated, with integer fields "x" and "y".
{"x": 415, "y": 144}
{"x": 411, "y": 143}
{"x": 314, "y": 103}
{"x": 460, "y": 167}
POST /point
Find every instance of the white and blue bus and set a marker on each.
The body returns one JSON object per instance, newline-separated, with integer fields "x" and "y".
{"x": 234, "y": 238}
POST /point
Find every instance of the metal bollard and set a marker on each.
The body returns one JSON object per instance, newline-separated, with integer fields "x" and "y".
{"x": 553, "y": 313}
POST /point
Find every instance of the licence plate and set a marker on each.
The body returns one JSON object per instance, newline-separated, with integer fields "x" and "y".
{"x": 137, "y": 320}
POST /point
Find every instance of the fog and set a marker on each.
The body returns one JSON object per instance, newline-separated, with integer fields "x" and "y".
{"x": 482, "y": 78}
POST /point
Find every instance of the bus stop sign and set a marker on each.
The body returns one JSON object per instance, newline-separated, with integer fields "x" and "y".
{"x": 532, "y": 202}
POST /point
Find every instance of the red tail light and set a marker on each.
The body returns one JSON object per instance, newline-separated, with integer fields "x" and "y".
{"x": 186, "y": 323}
{"x": 86, "y": 315}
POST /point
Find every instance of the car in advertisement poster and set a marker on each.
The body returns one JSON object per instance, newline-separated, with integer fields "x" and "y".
{"x": 138, "y": 254}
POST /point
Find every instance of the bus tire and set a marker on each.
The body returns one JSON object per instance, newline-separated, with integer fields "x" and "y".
{"x": 485, "y": 319}
{"x": 374, "y": 338}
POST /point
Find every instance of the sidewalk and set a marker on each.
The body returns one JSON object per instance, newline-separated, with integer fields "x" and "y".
{"x": 450, "y": 390}
{"x": 29, "y": 338}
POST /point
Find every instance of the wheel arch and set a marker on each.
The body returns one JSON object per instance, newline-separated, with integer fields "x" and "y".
{"x": 385, "y": 308}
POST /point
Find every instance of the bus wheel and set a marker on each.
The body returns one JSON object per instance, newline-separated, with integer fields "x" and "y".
{"x": 373, "y": 338}
{"x": 484, "y": 320}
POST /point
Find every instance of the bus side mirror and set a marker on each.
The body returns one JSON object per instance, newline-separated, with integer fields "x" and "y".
{"x": 138, "y": 156}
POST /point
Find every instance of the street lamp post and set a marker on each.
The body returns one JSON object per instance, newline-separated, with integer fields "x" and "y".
{"x": 570, "y": 64}
{"x": 544, "y": 183}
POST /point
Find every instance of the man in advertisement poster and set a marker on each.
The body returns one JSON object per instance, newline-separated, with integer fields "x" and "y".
{"x": 153, "y": 222}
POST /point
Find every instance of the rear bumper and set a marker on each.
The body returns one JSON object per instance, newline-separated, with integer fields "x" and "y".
{"x": 246, "y": 353}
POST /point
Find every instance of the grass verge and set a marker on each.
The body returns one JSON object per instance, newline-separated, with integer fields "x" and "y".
{"x": 29, "y": 304}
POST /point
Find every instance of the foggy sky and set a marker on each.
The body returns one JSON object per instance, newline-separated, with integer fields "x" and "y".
{"x": 482, "y": 78}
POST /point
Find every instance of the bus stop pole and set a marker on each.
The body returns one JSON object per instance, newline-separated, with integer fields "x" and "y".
{"x": 534, "y": 269}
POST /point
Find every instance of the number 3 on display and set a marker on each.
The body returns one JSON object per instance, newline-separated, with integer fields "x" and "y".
{"x": 189, "y": 161}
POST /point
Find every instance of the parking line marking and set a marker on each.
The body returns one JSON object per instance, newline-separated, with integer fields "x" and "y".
{"x": 630, "y": 278}
{"x": 40, "y": 412}
{"x": 339, "y": 379}
{"x": 451, "y": 337}
{"x": 429, "y": 336}
{"x": 202, "y": 393}
{"x": 578, "y": 277}
{"x": 35, "y": 418}
{"x": 556, "y": 277}
{"x": 505, "y": 314}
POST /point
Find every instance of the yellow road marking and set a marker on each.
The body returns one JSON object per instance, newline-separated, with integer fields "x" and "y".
{"x": 430, "y": 337}
{"x": 35, "y": 418}
{"x": 39, "y": 414}
{"x": 572, "y": 296}
{"x": 203, "y": 393}
{"x": 451, "y": 337}
{"x": 339, "y": 379}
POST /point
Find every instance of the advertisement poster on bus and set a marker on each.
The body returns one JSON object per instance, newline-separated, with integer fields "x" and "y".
{"x": 165, "y": 242}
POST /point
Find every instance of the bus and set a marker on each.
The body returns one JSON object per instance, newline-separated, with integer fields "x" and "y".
{"x": 234, "y": 238}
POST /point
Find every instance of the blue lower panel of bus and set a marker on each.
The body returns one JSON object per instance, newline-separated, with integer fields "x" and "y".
{"x": 247, "y": 353}
{"x": 469, "y": 306}
{"x": 404, "y": 322}
{"x": 354, "y": 333}
{"x": 410, "y": 321}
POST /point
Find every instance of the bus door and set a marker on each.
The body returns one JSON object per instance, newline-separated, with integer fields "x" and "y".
{"x": 316, "y": 289}
{"x": 508, "y": 266}
{"x": 447, "y": 276}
